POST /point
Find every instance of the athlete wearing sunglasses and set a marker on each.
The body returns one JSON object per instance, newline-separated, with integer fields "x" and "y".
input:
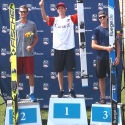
{"x": 100, "y": 42}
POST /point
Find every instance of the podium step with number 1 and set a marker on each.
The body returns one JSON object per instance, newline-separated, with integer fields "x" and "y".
{"x": 67, "y": 111}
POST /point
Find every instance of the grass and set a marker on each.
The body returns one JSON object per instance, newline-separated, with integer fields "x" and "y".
{"x": 44, "y": 112}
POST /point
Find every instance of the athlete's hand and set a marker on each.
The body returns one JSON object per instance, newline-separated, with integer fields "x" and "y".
{"x": 10, "y": 59}
{"x": 29, "y": 48}
{"x": 109, "y": 48}
{"x": 41, "y": 3}
{"x": 116, "y": 62}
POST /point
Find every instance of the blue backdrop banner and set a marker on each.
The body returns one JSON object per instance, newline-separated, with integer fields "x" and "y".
{"x": 46, "y": 81}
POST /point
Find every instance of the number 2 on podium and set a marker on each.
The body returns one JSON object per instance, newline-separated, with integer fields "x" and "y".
{"x": 66, "y": 111}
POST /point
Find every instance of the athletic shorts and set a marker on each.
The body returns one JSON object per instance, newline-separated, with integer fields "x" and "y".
{"x": 64, "y": 58}
{"x": 102, "y": 66}
{"x": 27, "y": 63}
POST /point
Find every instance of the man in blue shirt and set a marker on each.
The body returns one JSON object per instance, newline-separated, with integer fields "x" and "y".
{"x": 100, "y": 42}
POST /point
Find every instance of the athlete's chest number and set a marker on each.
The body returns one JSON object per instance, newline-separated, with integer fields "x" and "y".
{"x": 105, "y": 115}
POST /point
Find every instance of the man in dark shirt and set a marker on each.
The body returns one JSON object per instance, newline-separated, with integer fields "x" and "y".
{"x": 100, "y": 42}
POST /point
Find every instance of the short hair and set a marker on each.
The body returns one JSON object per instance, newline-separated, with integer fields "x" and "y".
{"x": 102, "y": 12}
{"x": 24, "y": 7}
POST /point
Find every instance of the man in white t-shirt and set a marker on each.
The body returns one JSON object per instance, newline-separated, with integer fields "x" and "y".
{"x": 63, "y": 44}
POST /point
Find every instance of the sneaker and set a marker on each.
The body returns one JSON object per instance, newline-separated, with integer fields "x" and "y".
{"x": 32, "y": 98}
{"x": 18, "y": 97}
{"x": 61, "y": 93}
{"x": 72, "y": 94}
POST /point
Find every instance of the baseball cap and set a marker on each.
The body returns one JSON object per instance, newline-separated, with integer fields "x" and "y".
{"x": 102, "y": 12}
{"x": 60, "y": 4}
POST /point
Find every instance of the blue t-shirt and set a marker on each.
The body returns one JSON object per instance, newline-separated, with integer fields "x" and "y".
{"x": 102, "y": 36}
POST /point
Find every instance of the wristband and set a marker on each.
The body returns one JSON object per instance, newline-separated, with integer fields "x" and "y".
{"x": 118, "y": 57}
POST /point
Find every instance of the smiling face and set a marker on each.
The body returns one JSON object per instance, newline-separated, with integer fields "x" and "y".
{"x": 23, "y": 12}
{"x": 103, "y": 18}
{"x": 61, "y": 10}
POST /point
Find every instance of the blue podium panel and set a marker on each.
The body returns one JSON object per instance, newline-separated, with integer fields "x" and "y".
{"x": 101, "y": 114}
{"x": 67, "y": 111}
{"x": 26, "y": 115}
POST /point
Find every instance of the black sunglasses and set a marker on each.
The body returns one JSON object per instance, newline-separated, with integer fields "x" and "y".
{"x": 101, "y": 17}
{"x": 23, "y": 11}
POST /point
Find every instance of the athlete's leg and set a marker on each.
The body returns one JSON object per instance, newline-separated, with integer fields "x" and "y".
{"x": 60, "y": 80}
{"x": 70, "y": 79}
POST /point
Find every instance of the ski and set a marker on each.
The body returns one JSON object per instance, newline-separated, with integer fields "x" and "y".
{"x": 13, "y": 64}
{"x": 82, "y": 43}
{"x": 113, "y": 81}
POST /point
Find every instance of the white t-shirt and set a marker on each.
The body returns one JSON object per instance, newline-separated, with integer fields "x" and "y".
{"x": 63, "y": 32}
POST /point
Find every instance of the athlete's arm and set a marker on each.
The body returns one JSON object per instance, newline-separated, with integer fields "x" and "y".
{"x": 117, "y": 59}
{"x": 41, "y": 4}
{"x": 98, "y": 47}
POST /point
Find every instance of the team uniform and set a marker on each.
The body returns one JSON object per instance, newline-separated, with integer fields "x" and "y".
{"x": 63, "y": 42}
{"x": 102, "y": 60}
{"x": 25, "y": 59}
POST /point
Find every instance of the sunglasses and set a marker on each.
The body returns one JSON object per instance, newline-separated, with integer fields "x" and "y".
{"x": 23, "y": 11}
{"x": 101, "y": 17}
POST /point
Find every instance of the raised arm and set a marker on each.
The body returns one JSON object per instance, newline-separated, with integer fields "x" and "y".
{"x": 41, "y": 4}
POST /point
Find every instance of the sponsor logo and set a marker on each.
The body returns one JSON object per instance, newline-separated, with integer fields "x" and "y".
{"x": 27, "y": 96}
{"x": 76, "y": 29}
{"x": 94, "y": 17}
{"x": 35, "y": 76}
{"x": 27, "y": 76}
{"x": 89, "y": 53}
{"x": 35, "y": 53}
{"x": 88, "y": 98}
{"x": 20, "y": 86}
{"x": 87, "y": 8}
{"x": 45, "y": 63}
{"x": 30, "y": 7}
{"x": 53, "y": 75}
{"x": 4, "y": 75}
{"x": 107, "y": 97}
{"x": 100, "y": 6}
{"x": 77, "y": 52}
{"x": 45, "y": 41}
{"x": 111, "y": 31}
{"x": 4, "y": 52}
{"x": 78, "y": 74}
{"x": 95, "y": 85}
{"x": 5, "y": 7}
{"x": 45, "y": 86}
{"x": 4, "y": 29}
{"x": 40, "y": 31}
{"x": 52, "y": 52}
{"x": 45, "y": 106}
{"x": 94, "y": 63}
{"x": 75, "y": 6}
{"x": 51, "y": 29}
{"x": 52, "y": 7}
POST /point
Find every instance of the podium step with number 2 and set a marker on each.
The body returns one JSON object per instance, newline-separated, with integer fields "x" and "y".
{"x": 29, "y": 113}
{"x": 67, "y": 111}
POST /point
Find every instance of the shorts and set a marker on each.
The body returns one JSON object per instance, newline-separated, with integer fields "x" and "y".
{"x": 27, "y": 63}
{"x": 102, "y": 66}
{"x": 64, "y": 58}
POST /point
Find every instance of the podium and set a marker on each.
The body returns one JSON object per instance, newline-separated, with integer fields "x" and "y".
{"x": 101, "y": 114}
{"x": 67, "y": 111}
{"x": 29, "y": 113}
